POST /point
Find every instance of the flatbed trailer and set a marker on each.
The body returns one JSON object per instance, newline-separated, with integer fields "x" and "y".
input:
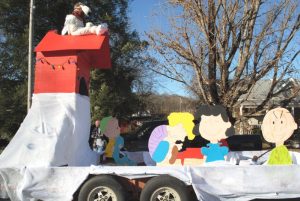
{"x": 217, "y": 181}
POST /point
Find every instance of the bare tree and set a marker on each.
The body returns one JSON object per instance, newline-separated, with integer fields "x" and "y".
{"x": 230, "y": 45}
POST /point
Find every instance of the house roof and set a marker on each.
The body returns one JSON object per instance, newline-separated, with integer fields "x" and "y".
{"x": 260, "y": 90}
{"x": 96, "y": 46}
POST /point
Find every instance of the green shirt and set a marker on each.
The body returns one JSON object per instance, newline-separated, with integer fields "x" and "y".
{"x": 280, "y": 156}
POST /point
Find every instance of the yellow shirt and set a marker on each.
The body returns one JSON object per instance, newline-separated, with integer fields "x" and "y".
{"x": 110, "y": 148}
{"x": 280, "y": 156}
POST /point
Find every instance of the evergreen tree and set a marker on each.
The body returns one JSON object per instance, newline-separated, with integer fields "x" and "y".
{"x": 111, "y": 91}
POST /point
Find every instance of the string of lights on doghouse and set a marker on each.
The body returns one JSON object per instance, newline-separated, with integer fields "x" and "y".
{"x": 59, "y": 66}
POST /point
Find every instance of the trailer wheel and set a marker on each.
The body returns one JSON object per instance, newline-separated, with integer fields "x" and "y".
{"x": 102, "y": 188}
{"x": 164, "y": 188}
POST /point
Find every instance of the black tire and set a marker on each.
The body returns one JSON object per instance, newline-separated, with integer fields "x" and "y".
{"x": 165, "y": 186}
{"x": 104, "y": 183}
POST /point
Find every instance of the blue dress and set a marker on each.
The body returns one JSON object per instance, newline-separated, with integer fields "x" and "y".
{"x": 214, "y": 152}
{"x": 161, "y": 151}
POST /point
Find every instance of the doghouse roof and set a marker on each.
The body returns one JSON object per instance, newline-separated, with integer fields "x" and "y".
{"x": 97, "y": 47}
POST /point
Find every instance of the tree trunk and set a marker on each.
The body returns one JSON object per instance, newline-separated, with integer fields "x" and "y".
{"x": 212, "y": 64}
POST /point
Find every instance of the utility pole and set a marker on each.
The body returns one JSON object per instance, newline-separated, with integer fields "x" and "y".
{"x": 180, "y": 102}
{"x": 30, "y": 45}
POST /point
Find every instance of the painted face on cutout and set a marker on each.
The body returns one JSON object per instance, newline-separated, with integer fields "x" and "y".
{"x": 112, "y": 130}
{"x": 213, "y": 128}
{"x": 278, "y": 125}
{"x": 176, "y": 133}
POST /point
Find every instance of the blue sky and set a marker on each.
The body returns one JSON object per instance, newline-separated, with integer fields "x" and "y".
{"x": 141, "y": 12}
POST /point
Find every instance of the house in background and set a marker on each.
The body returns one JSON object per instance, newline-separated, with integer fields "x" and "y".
{"x": 249, "y": 102}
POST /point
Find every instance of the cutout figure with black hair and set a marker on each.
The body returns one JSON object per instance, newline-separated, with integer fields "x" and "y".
{"x": 278, "y": 125}
{"x": 214, "y": 126}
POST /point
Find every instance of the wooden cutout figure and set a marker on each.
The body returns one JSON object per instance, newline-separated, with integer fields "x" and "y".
{"x": 106, "y": 126}
{"x": 214, "y": 126}
{"x": 119, "y": 157}
{"x": 191, "y": 156}
{"x": 166, "y": 141}
{"x": 157, "y": 145}
{"x": 184, "y": 118}
{"x": 175, "y": 137}
{"x": 109, "y": 126}
{"x": 277, "y": 126}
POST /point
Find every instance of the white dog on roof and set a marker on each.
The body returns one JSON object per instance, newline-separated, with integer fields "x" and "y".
{"x": 74, "y": 23}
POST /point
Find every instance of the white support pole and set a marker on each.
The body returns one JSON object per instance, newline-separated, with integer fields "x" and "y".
{"x": 30, "y": 39}
{"x": 241, "y": 122}
{"x": 241, "y": 110}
